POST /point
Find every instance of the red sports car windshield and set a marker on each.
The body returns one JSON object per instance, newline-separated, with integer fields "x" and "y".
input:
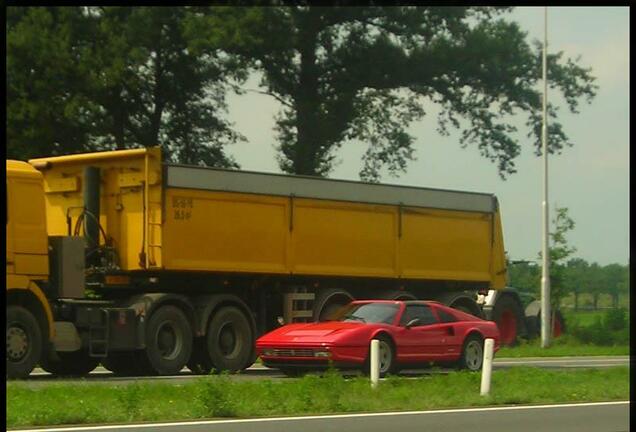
{"x": 367, "y": 313}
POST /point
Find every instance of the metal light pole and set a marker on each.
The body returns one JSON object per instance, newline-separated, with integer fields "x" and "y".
{"x": 545, "y": 275}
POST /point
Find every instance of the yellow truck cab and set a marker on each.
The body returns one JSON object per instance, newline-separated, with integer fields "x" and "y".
{"x": 29, "y": 318}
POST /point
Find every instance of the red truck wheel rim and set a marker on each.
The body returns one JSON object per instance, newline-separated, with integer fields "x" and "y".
{"x": 557, "y": 327}
{"x": 508, "y": 327}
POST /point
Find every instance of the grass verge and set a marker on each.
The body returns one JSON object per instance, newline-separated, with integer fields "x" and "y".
{"x": 563, "y": 346}
{"x": 220, "y": 396}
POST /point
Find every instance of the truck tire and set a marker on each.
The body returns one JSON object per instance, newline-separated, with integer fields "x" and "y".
{"x": 533, "y": 317}
{"x": 559, "y": 324}
{"x": 24, "y": 342}
{"x": 508, "y": 316}
{"x": 73, "y": 363}
{"x": 472, "y": 353}
{"x": 168, "y": 340}
{"x": 230, "y": 340}
{"x": 329, "y": 301}
{"x": 533, "y": 324}
{"x": 398, "y": 295}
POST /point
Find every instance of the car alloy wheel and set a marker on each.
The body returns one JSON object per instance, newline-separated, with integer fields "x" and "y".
{"x": 473, "y": 354}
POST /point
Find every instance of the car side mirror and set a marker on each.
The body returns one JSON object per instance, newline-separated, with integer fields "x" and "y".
{"x": 413, "y": 323}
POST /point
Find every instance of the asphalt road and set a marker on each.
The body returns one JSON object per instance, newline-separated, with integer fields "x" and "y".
{"x": 586, "y": 417}
{"x": 101, "y": 375}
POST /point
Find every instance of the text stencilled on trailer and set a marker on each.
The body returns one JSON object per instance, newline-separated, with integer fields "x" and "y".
{"x": 182, "y": 207}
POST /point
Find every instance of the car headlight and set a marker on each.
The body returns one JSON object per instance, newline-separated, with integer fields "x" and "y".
{"x": 322, "y": 354}
{"x": 268, "y": 352}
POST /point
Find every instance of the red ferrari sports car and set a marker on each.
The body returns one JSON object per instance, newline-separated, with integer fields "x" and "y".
{"x": 411, "y": 333}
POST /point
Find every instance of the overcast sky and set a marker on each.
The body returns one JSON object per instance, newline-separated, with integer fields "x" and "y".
{"x": 591, "y": 178}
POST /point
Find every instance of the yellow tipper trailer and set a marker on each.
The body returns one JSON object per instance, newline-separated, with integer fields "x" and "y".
{"x": 153, "y": 266}
{"x": 184, "y": 218}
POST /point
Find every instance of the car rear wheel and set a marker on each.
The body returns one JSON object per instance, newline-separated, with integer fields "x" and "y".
{"x": 387, "y": 357}
{"x": 472, "y": 353}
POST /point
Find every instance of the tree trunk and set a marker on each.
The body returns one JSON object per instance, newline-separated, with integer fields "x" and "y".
{"x": 159, "y": 103}
{"x": 576, "y": 301}
{"x": 305, "y": 160}
{"x": 119, "y": 121}
{"x": 595, "y": 301}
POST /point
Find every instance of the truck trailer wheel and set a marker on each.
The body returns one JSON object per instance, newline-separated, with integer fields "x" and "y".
{"x": 168, "y": 340}
{"x": 507, "y": 314}
{"x": 73, "y": 363}
{"x": 329, "y": 301}
{"x": 229, "y": 339}
{"x": 24, "y": 342}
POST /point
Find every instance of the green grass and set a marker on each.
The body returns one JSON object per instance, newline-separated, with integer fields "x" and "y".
{"x": 560, "y": 347}
{"x": 583, "y": 318}
{"x": 219, "y": 396}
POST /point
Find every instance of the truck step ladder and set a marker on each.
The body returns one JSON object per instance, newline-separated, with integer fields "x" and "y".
{"x": 98, "y": 335}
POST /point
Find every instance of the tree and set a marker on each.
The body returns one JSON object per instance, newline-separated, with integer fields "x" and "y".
{"x": 91, "y": 78}
{"x": 560, "y": 251}
{"x": 615, "y": 281}
{"x": 344, "y": 73}
{"x": 575, "y": 278}
{"x": 524, "y": 276}
{"x": 595, "y": 283}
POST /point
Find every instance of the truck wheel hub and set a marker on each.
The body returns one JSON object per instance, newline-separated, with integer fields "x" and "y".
{"x": 168, "y": 341}
{"x": 17, "y": 343}
{"x": 227, "y": 340}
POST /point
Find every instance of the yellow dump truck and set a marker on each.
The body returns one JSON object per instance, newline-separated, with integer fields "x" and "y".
{"x": 147, "y": 267}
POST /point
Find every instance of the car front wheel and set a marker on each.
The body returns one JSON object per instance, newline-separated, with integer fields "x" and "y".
{"x": 387, "y": 357}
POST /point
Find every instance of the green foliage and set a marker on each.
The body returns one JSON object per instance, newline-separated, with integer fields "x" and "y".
{"x": 524, "y": 276}
{"x": 609, "y": 330}
{"x": 95, "y": 78}
{"x": 615, "y": 319}
{"x": 560, "y": 251}
{"x": 88, "y": 78}
{"x": 130, "y": 399}
{"x": 352, "y": 73}
{"x": 214, "y": 396}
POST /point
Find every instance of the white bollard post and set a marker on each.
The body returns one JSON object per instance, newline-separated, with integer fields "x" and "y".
{"x": 375, "y": 362}
{"x": 486, "y": 371}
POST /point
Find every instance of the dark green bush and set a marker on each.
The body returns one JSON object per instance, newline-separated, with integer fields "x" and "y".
{"x": 610, "y": 330}
{"x": 615, "y": 319}
{"x": 214, "y": 398}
